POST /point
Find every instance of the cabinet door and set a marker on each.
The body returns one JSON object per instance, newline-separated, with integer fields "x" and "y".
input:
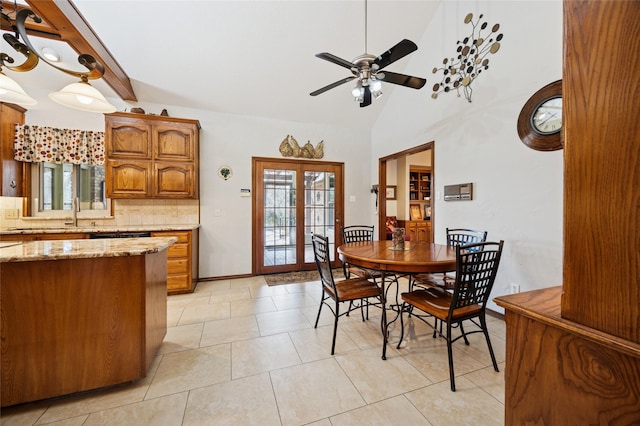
{"x": 174, "y": 142}
{"x": 421, "y": 232}
{"x": 13, "y": 172}
{"x": 410, "y": 230}
{"x": 128, "y": 179}
{"x": 174, "y": 180}
{"x": 128, "y": 138}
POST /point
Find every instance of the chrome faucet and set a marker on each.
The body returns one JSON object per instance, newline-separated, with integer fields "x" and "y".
{"x": 75, "y": 207}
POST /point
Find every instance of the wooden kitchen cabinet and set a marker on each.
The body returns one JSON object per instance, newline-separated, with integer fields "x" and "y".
{"x": 173, "y": 180}
{"x": 127, "y": 138}
{"x": 151, "y": 156}
{"x": 45, "y": 236}
{"x": 418, "y": 230}
{"x": 15, "y": 174}
{"x": 174, "y": 141}
{"x": 182, "y": 261}
{"x": 129, "y": 179}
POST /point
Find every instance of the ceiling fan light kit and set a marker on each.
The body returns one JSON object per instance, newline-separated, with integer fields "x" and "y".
{"x": 458, "y": 73}
{"x": 366, "y": 70}
{"x": 79, "y": 95}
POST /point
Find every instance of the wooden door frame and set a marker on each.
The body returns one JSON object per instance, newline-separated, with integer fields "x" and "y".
{"x": 338, "y": 207}
{"x": 382, "y": 184}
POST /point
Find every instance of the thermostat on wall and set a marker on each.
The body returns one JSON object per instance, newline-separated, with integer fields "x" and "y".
{"x": 459, "y": 192}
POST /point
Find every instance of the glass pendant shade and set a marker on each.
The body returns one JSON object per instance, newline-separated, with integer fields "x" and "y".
{"x": 82, "y": 96}
{"x": 11, "y": 92}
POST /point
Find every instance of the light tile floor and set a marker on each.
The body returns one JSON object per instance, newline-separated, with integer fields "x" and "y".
{"x": 240, "y": 352}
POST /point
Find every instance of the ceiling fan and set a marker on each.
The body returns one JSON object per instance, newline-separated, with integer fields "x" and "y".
{"x": 367, "y": 68}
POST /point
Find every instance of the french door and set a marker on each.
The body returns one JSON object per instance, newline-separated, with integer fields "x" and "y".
{"x": 293, "y": 199}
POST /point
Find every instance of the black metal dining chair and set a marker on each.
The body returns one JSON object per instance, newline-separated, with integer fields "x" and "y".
{"x": 353, "y": 234}
{"x": 476, "y": 270}
{"x": 347, "y": 290}
{"x": 455, "y": 237}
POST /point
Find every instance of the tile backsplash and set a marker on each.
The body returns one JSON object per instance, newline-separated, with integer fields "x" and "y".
{"x": 126, "y": 213}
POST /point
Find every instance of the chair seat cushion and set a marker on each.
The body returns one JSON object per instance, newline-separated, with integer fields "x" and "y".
{"x": 436, "y": 301}
{"x": 354, "y": 288}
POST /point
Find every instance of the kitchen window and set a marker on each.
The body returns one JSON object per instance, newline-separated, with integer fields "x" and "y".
{"x": 56, "y": 185}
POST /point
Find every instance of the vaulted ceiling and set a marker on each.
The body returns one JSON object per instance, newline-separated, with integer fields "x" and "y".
{"x": 246, "y": 57}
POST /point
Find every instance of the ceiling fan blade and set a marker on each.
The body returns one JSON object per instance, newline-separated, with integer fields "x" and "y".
{"x": 333, "y": 58}
{"x": 398, "y": 51}
{"x": 367, "y": 97}
{"x": 403, "y": 80}
{"x": 332, "y": 85}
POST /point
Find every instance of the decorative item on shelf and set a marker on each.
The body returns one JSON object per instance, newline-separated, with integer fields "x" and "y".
{"x": 540, "y": 120}
{"x": 137, "y": 110}
{"x": 415, "y": 212}
{"x": 164, "y": 113}
{"x": 289, "y": 148}
{"x": 80, "y": 95}
{"x": 225, "y": 172}
{"x": 458, "y": 73}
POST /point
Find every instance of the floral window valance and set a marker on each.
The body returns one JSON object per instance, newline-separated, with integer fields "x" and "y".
{"x": 39, "y": 144}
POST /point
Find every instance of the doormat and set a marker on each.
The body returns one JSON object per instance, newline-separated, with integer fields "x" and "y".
{"x": 299, "y": 277}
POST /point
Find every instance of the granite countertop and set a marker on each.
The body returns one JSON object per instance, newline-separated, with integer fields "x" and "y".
{"x": 80, "y": 249}
{"x": 96, "y": 229}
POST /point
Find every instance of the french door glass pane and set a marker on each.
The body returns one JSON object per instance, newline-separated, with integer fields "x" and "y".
{"x": 319, "y": 209}
{"x": 279, "y": 217}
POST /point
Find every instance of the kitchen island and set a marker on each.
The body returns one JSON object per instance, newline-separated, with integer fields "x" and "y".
{"x": 79, "y": 314}
{"x": 182, "y": 263}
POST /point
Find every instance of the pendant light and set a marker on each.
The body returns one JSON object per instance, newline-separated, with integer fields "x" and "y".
{"x": 11, "y": 92}
{"x": 81, "y": 95}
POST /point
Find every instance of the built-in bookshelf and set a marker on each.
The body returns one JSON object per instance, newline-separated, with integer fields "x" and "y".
{"x": 420, "y": 190}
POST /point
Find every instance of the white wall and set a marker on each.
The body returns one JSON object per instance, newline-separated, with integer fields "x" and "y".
{"x": 225, "y": 244}
{"x": 517, "y": 191}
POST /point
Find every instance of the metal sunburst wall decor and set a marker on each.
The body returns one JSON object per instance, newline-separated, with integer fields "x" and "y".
{"x": 458, "y": 73}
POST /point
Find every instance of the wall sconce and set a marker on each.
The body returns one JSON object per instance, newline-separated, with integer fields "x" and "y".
{"x": 80, "y": 95}
{"x": 458, "y": 73}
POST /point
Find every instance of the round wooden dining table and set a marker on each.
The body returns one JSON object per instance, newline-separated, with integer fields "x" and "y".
{"x": 414, "y": 258}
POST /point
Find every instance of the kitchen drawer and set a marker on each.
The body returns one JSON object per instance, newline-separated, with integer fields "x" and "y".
{"x": 182, "y": 261}
{"x": 178, "y": 282}
{"x": 183, "y": 237}
{"x": 178, "y": 250}
{"x": 176, "y": 266}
